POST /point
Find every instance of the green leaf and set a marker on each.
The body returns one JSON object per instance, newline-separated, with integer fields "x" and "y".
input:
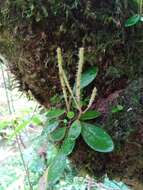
{"x": 56, "y": 169}
{"x": 58, "y": 134}
{"x": 55, "y": 113}
{"x": 117, "y": 109}
{"x": 50, "y": 126}
{"x": 87, "y": 77}
{"x": 97, "y": 138}
{"x": 36, "y": 120}
{"x": 67, "y": 146}
{"x": 70, "y": 114}
{"x": 74, "y": 130}
{"x": 132, "y": 20}
{"x": 4, "y": 124}
{"x": 19, "y": 128}
{"x": 92, "y": 114}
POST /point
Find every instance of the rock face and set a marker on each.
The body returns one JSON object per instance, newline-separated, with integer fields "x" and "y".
{"x": 117, "y": 51}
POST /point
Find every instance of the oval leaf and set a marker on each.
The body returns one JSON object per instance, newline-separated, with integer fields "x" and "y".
{"x": 87, "y": 77}
{"x": 58, "y": 134}
{"x": 92, "y": 114}
{"x": 54, "y": 113}
{"x": 50, "y": 126}
{"x": 67, "y": 146}
{"x": 74, "y": 130}
{"x": 97, "y": 138}
{"x": 132, "y": 20}
{"x": 56, "y": 168}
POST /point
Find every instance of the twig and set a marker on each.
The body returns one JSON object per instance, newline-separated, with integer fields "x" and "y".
{"x": 23, "y": 161}
{"x": 5, "y": 86}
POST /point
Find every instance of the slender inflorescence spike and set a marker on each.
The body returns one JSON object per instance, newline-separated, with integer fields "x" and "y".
{"x": 60, "y": 60}
{"x": 64, "y": 80}
{"x": 92, "y": 98}
{"x": 70, "y": 90}
{"x": 79, "y": 72}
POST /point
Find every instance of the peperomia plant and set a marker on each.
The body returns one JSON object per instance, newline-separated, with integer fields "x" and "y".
{"x": 66, "y": 125}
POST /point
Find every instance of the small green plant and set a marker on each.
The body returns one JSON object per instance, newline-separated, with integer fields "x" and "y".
{"x": 136, "y": 18}
{"x": 117, "y": 108}
{"x": 66, "y": 125}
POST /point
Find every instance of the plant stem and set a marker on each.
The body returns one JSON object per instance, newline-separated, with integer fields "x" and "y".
{"x": 70, "y": 91}
{"x": 23, "y": 161}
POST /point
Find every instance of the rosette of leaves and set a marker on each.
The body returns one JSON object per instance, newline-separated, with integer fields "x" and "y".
{"x": 75, "y": 120}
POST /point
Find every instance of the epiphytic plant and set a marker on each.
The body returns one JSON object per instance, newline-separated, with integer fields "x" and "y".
{"x": 66, "y": 125}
